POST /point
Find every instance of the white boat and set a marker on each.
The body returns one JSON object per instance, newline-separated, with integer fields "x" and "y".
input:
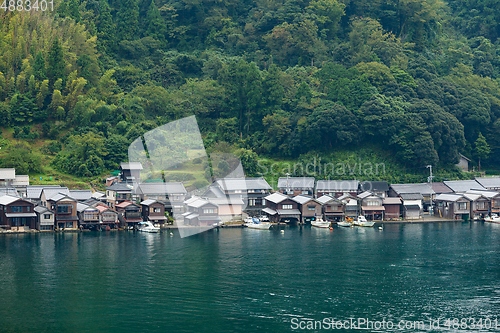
{"x": 493, "y": 219}
{"x": 147, "y": 226}
{"x": 256, "y": 224}
{"x": 344, "y": 224}
{"x": 319, "y": 223}
{"x": 264, "y": 219}
{"x": 362, "y": 222}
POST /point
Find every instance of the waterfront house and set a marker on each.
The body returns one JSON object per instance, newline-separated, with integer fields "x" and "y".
{"x": 49, "y": 192}
{"x": 171, "y": 194}
{"x": 452, "y": 206}
{"x": 118, "y": 193}
{"x": 251, "y": 190}
{"x": 200, "y": 212}
{"x": 280, "y": 207}
{"x": 351, "y": 208}
{"x": 230, "y": 208}
{"x": 129, "y": 213}
{"x": 392, "y": 207}
{"x": 16, "y": 214}
{"x": 45, "y": 218}
{"x": 380, "y": 188}
{"x": 395, "y": 190}
{"x": 107, "y": 216}
{"x": 371, "y": 206}
{"x": 489, "y": 183}
{"x": 333, "y": 208}
{"x": 413, "y": 204}
{"x": 65, "y": 209}
{"x": 153, "y": 211}
{"x": 462, "y": 186}
{"x": 88, "y": 216}
{"x": 337, "y": 188}
{"x": 131, "y": 172}
{"x": 296, "y": 185}
{"x": 480, "y": 205}
{"x": 309, "y": 208}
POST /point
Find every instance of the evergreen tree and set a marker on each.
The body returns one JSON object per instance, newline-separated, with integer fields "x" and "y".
{"x": 482, "y": 149}
{"x": 128, "y": 19}
{"x": 39, "y": 67}
{"x": 106, "y": 38}
{"x": 55, "y": 68}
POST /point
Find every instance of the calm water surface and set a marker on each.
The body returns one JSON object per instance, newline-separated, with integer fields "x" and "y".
{"x": 241, "y": 280}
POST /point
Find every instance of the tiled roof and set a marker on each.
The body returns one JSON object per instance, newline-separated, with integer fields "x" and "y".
{"x": 302, "y": 199}
{"x": 52, "y": 191}
{"x": 440, "y": 187}
{"x": 379, "y": 186}
{"x": 232, "y": 184}
{"x": 489, "y": 182}
{"x": 131, "y": 166}
{"x": 119, "y": 187}
{"x": 422, "y": 188}
{"x": 337, "y": 185}
{"x": 35, "y": 191}
{"x": 80, "y": 194}
{"x": 8, "y": 191}
{"x": 459, "y": 186}
{"x": 161, "y": 188}
{"x": 411, "y": 196}
{"x": 8, "y": 199}
{"x": 276, "y": 197}
{"x": 391, "y": 201}
{"x": 448, "y": 197}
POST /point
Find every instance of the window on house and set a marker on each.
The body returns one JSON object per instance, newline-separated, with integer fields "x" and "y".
{"x": 263, "y": 202}
{"x": 286, "y": 206}
{"x": 462, "y": 205}
{"x": 16, "y": 209}
{"x": 480, "y": 205}
{"x": 46, "y": 216}
{"x": 237, "y": 191}
{"x": 69, "y": 225}
{"x": 209, "y": 211}
{"x": 497, "y": 203}
{"x": 45, "y": 227}
{"x": 157, "y": 210}
{"x": 311, "y": 208}
{"x": 372, "y": 203}
{"x": 64, "y": 209}
{"x": 251, "y": 202}
{"x": 305, "y": 192}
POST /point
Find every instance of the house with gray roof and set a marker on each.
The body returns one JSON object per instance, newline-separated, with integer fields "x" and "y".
{"x": 281, "y": 208}
{"x": 371, "y": 206}
{"x": 296, "y": 185}
{"x": 380, "y": 188}
{"x": 333, "y": 208}
{"x": 452, "y": 206}
{"x": 251, "y": 190}
{"x": 131, "y": 171}
{"x": 489, "y": 183}
{"x": 154, "y": 211}
{"x": 171, "y": 194}
{"x": 34, "y": 192}
{"x": 118, "y": 193}
{"x": 16, "y": 214}
{"x": 462, "y": 186}
{"x": 80, "y": 195}
{"x": 440, "y": 188}
{"x": 45, "y": 218}
{"x": 396, "y": 190}
{"x": 48, "y": 192}
{"x": 7, "y": 176}
{"x": 200, "y": 212}
{"x": 337, "y": 188}
{"x": 309, "y": 208}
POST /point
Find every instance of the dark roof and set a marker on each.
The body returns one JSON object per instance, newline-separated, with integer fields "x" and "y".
{"x": 379, "y": 186}
{"x": 440, "y": 187}
{"x": 118, "y": 187}
{"x": 412, "y": 207}
{"x": 422, "y": 188}
{"x": 411, "y": 196}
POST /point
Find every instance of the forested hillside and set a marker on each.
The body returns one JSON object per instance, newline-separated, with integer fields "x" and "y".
{"x": 281, "y": 79}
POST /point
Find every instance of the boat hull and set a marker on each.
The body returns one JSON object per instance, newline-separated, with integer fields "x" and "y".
{"x": 260, "y": 226}
{"x": 344, "y": 224}
{"x": 320, "y": 224}
{"x": 492, "y": 220}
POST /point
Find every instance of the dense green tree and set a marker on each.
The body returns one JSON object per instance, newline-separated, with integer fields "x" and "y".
{"x": 55, "y": 62}
{"x": 482, "y": 149}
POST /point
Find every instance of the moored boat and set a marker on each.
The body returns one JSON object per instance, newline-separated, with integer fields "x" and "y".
{"x": 147, "y": 226}
{"x": 492, "y": 219}
{"x": 362, "y": 222}
{"x": 319, "y": 223}
{"x": 344, "y": 224}
{"x": 257, "y": 224}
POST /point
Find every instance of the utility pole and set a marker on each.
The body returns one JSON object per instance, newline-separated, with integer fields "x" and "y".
{"x": 287, "y": 183}
{"x": 429, "y": 180}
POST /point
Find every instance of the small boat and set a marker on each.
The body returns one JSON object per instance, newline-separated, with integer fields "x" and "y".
{"x": 147, "y": 226}
{"x": 494, "y": 218}
{"x": 362, "y": 222}
{"x": 344, "y": 224}
{"x": 257, "y": 224}
{"x": 319, "y": 223}
{"x": 264, "y": 219}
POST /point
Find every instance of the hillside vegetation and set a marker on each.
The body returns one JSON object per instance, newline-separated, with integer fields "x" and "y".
{"x": 415, "y": 80}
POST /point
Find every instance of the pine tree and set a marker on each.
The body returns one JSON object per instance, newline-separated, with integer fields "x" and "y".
{"x": 482, "y": 149}
{"x": 106, "y": 29}
{"x": 128, "y": 19}
{"x": 39, "y": 67}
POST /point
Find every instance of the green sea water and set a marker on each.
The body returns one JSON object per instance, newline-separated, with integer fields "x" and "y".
{"x": 243, "y": 280}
